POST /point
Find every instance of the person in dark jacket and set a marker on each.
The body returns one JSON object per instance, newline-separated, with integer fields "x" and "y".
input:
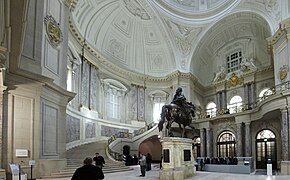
{"x": 88, "y": 171}
{"x": 99, "y": 160}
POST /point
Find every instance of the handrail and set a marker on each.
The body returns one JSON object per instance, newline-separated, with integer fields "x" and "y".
{"x": 118, "y": 156}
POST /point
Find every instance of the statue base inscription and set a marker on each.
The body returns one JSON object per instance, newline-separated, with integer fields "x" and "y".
{"x": 177, "y": 162}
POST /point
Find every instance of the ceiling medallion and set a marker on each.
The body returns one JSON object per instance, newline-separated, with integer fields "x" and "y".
{"x": 53, "y": 31}
{"x": 283, "y": 72}
{"x": 234, "y": 80}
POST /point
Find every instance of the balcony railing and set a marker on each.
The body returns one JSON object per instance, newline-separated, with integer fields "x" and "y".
{"x": 234, "y": 108}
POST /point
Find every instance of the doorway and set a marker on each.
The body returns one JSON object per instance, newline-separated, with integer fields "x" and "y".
{"x": 266, "y": 149}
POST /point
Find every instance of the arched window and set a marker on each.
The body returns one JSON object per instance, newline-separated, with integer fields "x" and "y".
{"x": 211, "y": 109}
{"x": 114, "y": 97}
{"x": 157, "y": 111}
{"x": 196, "y": 147}
{"x": 235, "y": 104}
{"x": 226, "y": 144}
{"x": 158, "y": 98}
{"x": 265, "y": 93}
{"x": 265, "y": 134}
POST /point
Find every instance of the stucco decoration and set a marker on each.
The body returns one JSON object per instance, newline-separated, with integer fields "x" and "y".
{"x": 183, "y": 35}
{"x": 136, "y": 9}
{"x": 273, "y": 8}
{"x": 283, "y": 72}
{"x": 220, "y": 75}
{"x": 53, "y": 31}
{"x": 248, "y": 65}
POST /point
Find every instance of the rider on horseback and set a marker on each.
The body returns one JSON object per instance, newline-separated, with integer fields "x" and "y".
{"x": 180, "y": 100}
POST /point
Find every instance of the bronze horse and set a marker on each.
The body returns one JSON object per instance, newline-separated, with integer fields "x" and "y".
{"x": 182, "y": 115}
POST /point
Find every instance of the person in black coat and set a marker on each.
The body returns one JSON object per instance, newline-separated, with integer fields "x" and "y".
{"x": 99, "y": 160}
{"x": 88, "y": 171}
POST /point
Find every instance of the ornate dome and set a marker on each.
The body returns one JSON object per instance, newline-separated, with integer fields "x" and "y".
{"x": 197, "y": 9}
{"x": 126, "y": 33}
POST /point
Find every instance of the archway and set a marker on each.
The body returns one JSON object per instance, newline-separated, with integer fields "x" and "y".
{"x": 151, "y": 145}
{"x": 266, "y": 149}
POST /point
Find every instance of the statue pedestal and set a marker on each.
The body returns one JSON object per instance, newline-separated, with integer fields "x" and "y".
{"x": 177, "y": 162}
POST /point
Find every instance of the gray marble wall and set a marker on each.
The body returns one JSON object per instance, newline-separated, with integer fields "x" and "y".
{"x": 90, "y": 130}
{"x": 72, "y": 129}
{"x": 93, "y": 89}
{"x": 85, "y": 84}
{"x": 109, "y": 131}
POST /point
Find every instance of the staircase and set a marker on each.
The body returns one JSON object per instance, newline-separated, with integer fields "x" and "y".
{"x": 72, "y": 165}
{"x": 76, "y": 155}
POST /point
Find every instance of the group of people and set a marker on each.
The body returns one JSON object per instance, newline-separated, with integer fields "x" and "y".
{"x": 145, "y": 163}
{"x": 89, "y": 171}
{"x": 222, "y": 160}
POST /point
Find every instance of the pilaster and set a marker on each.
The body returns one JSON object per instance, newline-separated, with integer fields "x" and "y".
{"x": 248, "y": 149}
{"x": 284, "y": 135}
{"x": 209, "y": 143}
{"x": 239, "y": 147}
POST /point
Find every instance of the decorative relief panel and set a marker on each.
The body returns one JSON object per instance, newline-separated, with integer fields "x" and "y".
{"x": 53, "y": 31}
{"x": 157, "y": 62}
{"x": 183, "y": 35}
{"x": 72, "y": 129}
{"x": 90, "y": 130}
{"x": 117, "y": 49}
{"x": 150, "y": 36}
{"x": 273, "y": 8}
{"x": 124, "y": 24}
{"x": 109, "y": 131}
{"x": 136, "y": 9}
{"x": 85, "y": 84}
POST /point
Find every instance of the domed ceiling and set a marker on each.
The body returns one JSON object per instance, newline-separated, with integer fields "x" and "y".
{"x": 125, "y": 32}
{"x": 197, "y": 9}
{"x": 158, "y": 37}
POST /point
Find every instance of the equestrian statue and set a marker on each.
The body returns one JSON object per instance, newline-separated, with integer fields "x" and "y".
{"x": 178, "y": 111}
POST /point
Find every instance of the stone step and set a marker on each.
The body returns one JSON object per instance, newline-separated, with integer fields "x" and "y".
{"x": 104, "y": 169}
{"x": 69, "y": 174}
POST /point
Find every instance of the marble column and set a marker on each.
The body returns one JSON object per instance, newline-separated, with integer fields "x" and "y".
{"x": 253, "y": 94}
{"x": 284, "y": 135}
{"x": 224, "y": 99}
{"x": 248, "y": 146}
{"x": 202, "y": 142}
{"x": 239, "y": 147}
{"x": 209, "y": 143}
{"x": 246, "y": 94}
{"x": 218, "y": 97}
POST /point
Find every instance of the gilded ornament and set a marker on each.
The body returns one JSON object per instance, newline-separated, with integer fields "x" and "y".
{"x": 283, "y": 72}
{"x": 53, "y": 31}
{"x": 234, "y": 80}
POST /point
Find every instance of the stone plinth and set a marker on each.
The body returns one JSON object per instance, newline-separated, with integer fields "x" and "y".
{"x": 177, "y": 162}
{"x": 285, "y": 167}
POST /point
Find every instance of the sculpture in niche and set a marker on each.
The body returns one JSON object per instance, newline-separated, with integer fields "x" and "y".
{"x": 179, "y": 111}
{"x": 53, "y": 31}
{"x": 248, "y": 65}
{"x": 221, "y": 75}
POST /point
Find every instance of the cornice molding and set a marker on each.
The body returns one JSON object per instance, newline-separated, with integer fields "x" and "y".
{"x": 284, "y": 29}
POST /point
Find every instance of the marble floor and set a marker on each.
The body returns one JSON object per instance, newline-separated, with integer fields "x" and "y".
{"x": 154, "y": 173}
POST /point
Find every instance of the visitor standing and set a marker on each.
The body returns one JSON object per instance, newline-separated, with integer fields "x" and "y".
{"x": 142, "y": 163}
{"x": 99, "y": 160}
{"x": 148, "y": 162}
{"x": 88, "y": 171}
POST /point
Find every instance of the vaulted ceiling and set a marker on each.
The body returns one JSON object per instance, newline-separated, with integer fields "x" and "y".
{"x": 157, "y": 37}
